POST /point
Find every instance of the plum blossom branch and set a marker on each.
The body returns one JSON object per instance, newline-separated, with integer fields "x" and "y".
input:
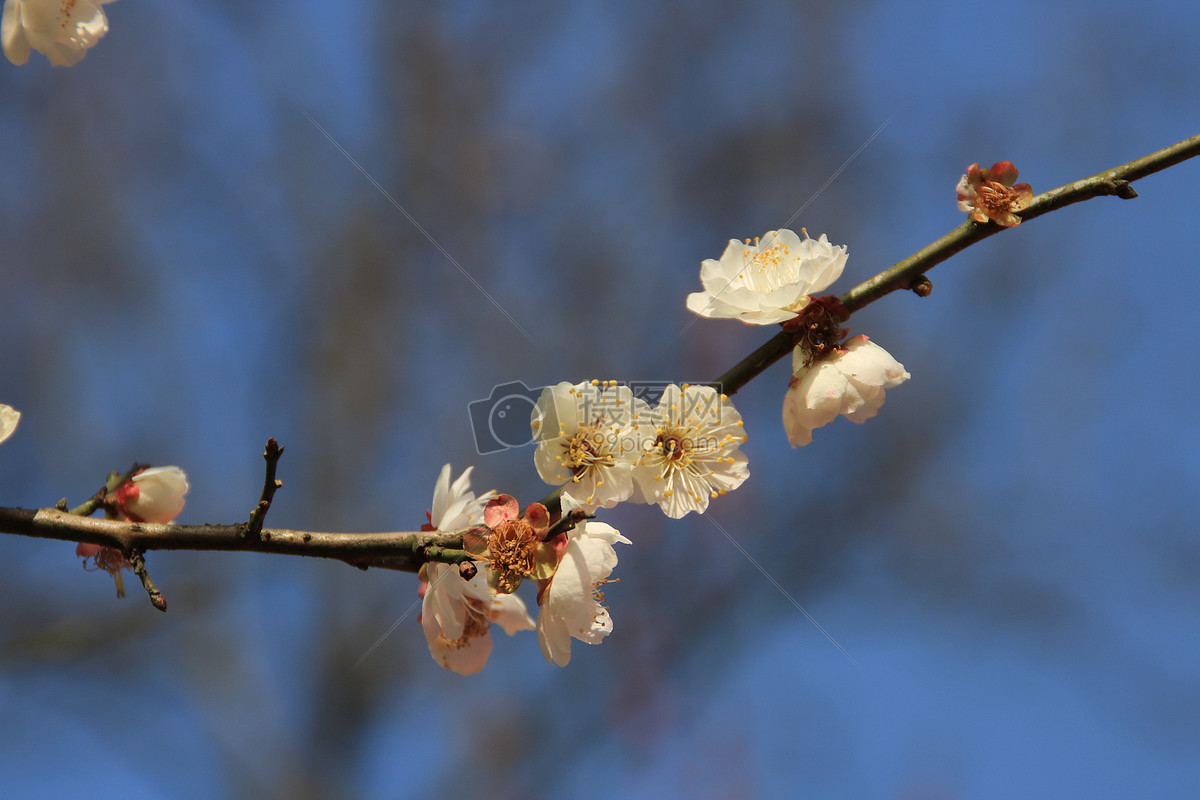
{"x": 909, "y": 274}
{"x": 409, "y": 551}
{"x": 400, "y": 550}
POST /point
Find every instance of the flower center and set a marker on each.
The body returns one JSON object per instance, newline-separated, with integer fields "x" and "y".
{"x": 995, "y": 198}
{"x": 768, "y": 266}
{"x": 676, "y": 445}
{"x": 511, "y": 553}
{"x": 586, "y": 450}
{"x": 817, "y": 330}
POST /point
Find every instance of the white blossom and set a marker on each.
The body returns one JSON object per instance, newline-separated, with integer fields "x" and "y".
{"x": 9, "y": 417}
{"x": 63, "y": 30}
{"x": 457, "y": 614}
{"x": 572, "y": 603}
{"x": 454, "y": 505}
{"x": 849, "y": 381}
{"x": 769, "y": 280}
{"x": 590, "y": 434}
{"x": 694, "y": 454}
{"x": 155, "y": 494}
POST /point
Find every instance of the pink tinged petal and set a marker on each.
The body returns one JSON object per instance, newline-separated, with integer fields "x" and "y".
{"x": 156, "y": 494}
{"x": 501, "y": 508}
{"x": 975, "y": 175}
{"x": 12, "y": 33}
{"x": 1024, "y": 196}
{"x": 538, "y": 516}
{"x": 966, "y": 194}
{"x": 87, "y": 550}
{"x": 1004, "y": 172}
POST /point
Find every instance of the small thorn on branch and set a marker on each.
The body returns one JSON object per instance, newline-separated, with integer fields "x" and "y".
{"x": 271, "y": 455}
{"x": 138, "y": 560}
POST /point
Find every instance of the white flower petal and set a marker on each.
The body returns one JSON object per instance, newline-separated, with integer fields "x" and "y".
{"x": 694, "y": 453}
{"x": 758, "y": 283}
{"x": 588, "y": 437}
{"x": 9, "y": 417}
{"x": 868, "y": 363}
{"x": 466, "y": 656}
{"x": 454, "y": 505}
{"x": 851, "y": 381}
{"x": 160, "y": 495}
{"x": 12, "y": 33}
{"x": 63, "y": 31}
{"x": 570, "y": 607}
{"x": 508, "y": 611}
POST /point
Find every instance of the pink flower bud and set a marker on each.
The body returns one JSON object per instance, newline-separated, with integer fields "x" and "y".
{"x": 151, "y": 495}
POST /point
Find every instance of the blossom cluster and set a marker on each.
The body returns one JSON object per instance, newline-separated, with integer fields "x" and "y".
{"x": 773, "y": 279}
{"x": 601, "y": 445}
{"x": 598, "y": 442}
{"x": 605, "y": 446}
{"x": 458, "y": 607}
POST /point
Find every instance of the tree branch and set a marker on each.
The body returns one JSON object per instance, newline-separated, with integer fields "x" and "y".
{"x": 909, "y": 273}
{"x": 403, "y": 551}
{"x": 407, "y": 551}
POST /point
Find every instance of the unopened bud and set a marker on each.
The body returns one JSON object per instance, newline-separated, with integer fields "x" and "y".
{"x": 922, "y": 286}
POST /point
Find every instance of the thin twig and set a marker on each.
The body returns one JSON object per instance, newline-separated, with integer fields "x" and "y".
{"x": 1113, "y": 182}
{"x": 271, "y": 455}
{"x": 138, "y": 559}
